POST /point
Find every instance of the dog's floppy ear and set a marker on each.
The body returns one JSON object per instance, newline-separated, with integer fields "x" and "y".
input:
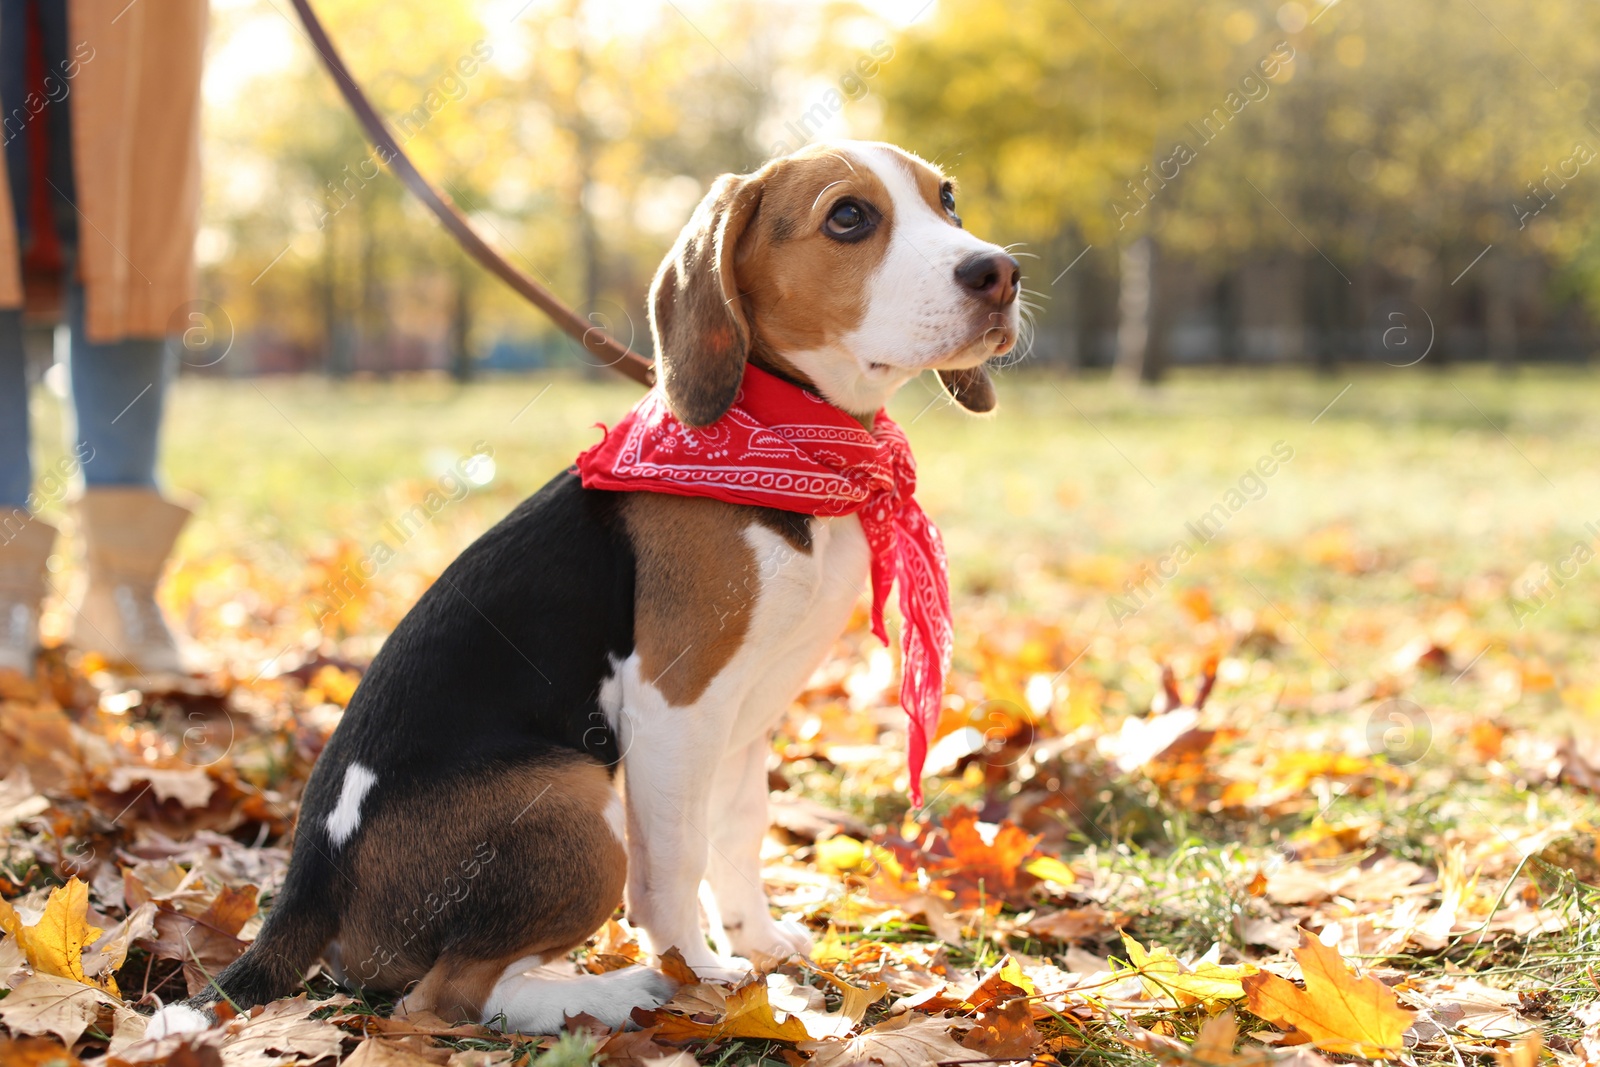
{"x": 971, "y": 388}
{"x": 701, "y": 334}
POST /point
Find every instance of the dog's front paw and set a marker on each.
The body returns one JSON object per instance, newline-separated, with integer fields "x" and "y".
{"x": 768, "y": 941}
{"x": 710, "y": 967}
{"x": 630, "y": 988}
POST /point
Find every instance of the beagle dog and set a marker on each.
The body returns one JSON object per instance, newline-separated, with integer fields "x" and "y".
{"x": 464, "y": 826}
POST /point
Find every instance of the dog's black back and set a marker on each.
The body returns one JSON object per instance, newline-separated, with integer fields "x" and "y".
{"x": 505, "y": 650}
{"x": 495, "y": 671}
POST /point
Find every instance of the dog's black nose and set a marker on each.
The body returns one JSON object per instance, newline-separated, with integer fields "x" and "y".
{"x": 991, "y": 277}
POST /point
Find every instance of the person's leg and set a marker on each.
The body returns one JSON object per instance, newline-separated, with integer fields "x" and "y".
{"x": 118, "y": 394}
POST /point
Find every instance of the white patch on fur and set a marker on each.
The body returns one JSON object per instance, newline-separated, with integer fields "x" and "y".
{"x": 176, "y": 1019}
{"x": 617, "y": 819}
{"x": 346, "y": 816}
{"x": 685, "y": 824}
{"x": 610, "y": 695}
{"x": 539, "y": 1002}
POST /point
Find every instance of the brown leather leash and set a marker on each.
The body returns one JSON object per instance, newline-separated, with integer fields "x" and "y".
{"x": 616, "y": 355}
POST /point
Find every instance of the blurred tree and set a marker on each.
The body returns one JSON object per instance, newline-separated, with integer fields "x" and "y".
{"x": 1357, "y": 143}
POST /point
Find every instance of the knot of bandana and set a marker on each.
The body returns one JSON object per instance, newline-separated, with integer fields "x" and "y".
{"x": 780, "y": 446}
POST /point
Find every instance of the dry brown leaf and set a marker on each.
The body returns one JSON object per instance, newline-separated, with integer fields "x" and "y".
{"x": 423, "y": 1023}
{"x": 110, "y": 950}
{"x": 283, "y": 1033}
{"x": 1336, "y": 1010}
{"x": 190, "y": 786}
{"x": 1004, "y": 1033}
{"x": 909, "y": 1040}
{"x": 18, "y": 799}
{"x": 232, "y": 908}
{"x": 379, "y": 1052}
{"x": 632, "y": 1048}
{"x": 204, "y": 942}
{"x": 1076, "y": 924}
{"x": 51, "y": 1004}
{"x": 1307, "y": 883}
{"x": 676, "y": 968}
{"x": 499, "y": 1057}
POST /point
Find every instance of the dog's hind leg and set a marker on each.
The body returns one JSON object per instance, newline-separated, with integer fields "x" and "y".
{"x": 531, "y": 998}
{"x": 520, "y": 864}
{"x": 538, "y": 1001}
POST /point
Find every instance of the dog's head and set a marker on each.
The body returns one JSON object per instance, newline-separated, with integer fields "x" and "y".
{"x": 843, "y": 266}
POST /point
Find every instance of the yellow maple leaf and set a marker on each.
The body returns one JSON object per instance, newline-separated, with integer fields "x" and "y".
{"x": 54, "y": 945}
{"x": 1207, "y": 983}
{"x": 1336, "y": 1010}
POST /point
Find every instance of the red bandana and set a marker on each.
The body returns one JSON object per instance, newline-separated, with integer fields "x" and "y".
{"x": 780, "y": 446}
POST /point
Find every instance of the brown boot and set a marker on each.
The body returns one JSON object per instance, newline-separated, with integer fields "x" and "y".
{"x": 23, "y": 551}
{"x": 128, "y": 534}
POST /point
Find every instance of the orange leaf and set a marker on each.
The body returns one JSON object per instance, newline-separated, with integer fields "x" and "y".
{"x": 1006, "y": 1033}
{"x": 985, "y": 864}
{"x": 675, "y": 967}
{"x": 231, "y": 909}
{"x": 1336, "y": 1010}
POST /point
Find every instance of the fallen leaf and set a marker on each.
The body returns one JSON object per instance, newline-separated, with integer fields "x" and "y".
{"x": 51, "y": 1004}
{"x": 1525, "y": 1053}
{"x": 676, "y": 968}
{"x": 1076, "y": 924}
{"x": 1050, "y": 869}
{"x": 35, "y": 1052}
{"x": 1337, "y": 1011}
{"x": 232, "y": 908}
{"x": 190, "y": 786}
{"x": 1204, "y": 982}
{"x": 748, "y": 1014}
{"x": 283, "y": 1033}
{"x": 204, "y": 942}
{"x": 55, "y": 944}
{"x": 986, "y": 860}
{"x": 1003, "y": 982}
{"x": 110, "y": 950}
{"x": 378, "y": 1052}
{"x": 632, "y": 1048}
{"x": 1213, "y": 1047}
{"x": 1004, "y": 1033}
{"x": 909, "y": 1040}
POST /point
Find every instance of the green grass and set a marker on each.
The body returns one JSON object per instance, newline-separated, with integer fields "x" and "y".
{"x": 1416, "y": 461}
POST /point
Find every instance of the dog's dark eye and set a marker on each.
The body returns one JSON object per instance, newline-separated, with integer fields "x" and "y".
{"x": 947, "y": 200}
{"x": 848, "y": 220}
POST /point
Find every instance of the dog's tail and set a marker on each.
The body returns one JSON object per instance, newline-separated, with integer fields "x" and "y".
{"x": 304, "y": 918}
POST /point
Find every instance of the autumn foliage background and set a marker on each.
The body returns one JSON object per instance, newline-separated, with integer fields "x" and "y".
{"x": 1271, "y": 735}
